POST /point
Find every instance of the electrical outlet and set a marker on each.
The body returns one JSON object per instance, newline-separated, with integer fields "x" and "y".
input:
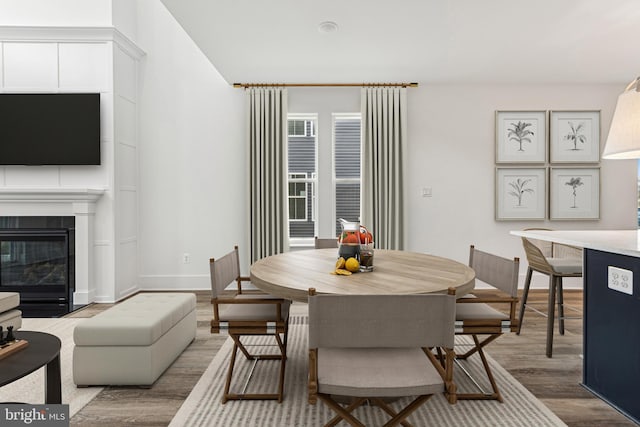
{"x": 186, "y": 258}
{"x": 620, "y": 280}
{"x": 426, "y": 192}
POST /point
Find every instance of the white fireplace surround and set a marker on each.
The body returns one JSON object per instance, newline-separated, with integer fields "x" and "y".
{"x": 60, "y": 201}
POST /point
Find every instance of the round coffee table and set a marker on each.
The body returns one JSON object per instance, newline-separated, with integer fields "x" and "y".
{"x": 43, "y": 349}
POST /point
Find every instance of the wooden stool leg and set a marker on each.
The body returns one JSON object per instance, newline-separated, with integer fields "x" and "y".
{"x": 550, "y": 314}
{"x": 523, "y": 302}
{"x": 560, "y": 297}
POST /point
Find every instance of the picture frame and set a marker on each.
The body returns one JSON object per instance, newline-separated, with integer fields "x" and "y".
{"x": 574, "y": 136}
{"x": 521, "y": 194}
{"x": 521, "y": 137}
{"x": 574, "y": 193}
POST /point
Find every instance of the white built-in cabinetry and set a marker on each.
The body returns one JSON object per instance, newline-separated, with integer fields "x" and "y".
{"x": 59, "y": 59}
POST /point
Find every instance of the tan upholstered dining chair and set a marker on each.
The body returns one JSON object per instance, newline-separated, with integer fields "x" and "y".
{"x": 243, "y": 315}
{"x": 372, "y": 347}
{"x": 325, "y": 243}
{"x": 477, "y": 318}
{"x": 556, "y": 261}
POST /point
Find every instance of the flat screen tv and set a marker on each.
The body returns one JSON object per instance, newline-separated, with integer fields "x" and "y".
{"x": 49, "y": 129}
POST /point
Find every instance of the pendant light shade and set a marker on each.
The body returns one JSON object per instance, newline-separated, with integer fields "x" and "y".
{"x": 623, "y": 141}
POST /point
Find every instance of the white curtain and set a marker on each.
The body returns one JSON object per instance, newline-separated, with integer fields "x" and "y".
{"x": 384, "y": 139}
{"x": 267, "y": 136}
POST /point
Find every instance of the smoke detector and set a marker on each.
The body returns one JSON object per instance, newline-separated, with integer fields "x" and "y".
{"x": 328, "y": 27}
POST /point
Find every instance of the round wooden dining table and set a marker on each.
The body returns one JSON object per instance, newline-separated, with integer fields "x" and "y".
{"x": 291, "y": 274}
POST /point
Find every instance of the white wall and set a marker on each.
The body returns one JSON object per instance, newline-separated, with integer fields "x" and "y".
{"x": 124, "y": 17}
{"x": 192, "y": 157}
{"x": 86, "y": 13}
{"x": 452, "y": 146}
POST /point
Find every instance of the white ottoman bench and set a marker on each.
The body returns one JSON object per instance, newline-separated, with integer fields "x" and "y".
{"x": 9, "y": 313}
{"x": 134, "y": 342}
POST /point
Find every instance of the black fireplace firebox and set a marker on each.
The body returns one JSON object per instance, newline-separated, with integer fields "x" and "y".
{"x": 37, "y": 263}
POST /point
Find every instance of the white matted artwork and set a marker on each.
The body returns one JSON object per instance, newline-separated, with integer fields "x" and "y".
{"x": 521, "y": 137}
{"x": 575, "y": 193}
{"x": 574, "y": 136}
{"x": 521, "y": 193}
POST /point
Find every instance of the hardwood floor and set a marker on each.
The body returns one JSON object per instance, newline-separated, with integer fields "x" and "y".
{"x": 555, "y": 381}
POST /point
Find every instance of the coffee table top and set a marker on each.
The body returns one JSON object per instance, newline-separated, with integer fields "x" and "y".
{"x": 290, "y": 275}
{"x": 42, "y": 349}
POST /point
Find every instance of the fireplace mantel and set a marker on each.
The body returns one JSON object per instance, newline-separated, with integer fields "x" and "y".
{"x": 48, "y": 195}
{"x": 62, "y": 201}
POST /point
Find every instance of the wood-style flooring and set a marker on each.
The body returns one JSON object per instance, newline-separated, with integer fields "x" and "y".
{"x": 554, "y": 381}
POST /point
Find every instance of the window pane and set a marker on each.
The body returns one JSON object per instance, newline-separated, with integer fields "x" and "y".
{"x": 293, "y": 209}
{"x": 302, "y": 172}
{"x": 347, "y": 146}
{"x": 300, "y": 208}
{"x": 347, "y": 203}
{"x": 296, "y": 127}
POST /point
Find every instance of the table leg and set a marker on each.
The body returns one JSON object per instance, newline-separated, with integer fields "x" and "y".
{"x": 53, "y": 382}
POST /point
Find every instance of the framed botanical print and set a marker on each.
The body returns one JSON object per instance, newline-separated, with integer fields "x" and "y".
{"x": 574, "y": 193}
{"x": 521, "y": 193}
{"x": 574, "y": 136}
{"x": 521, "y": 137}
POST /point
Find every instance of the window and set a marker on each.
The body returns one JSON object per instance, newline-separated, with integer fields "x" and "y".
{"x": 297, "y": 197}
{"x": 301, "y": 128}
{"x": 347, "y": 157}
{"x": 317, "y": 198}
{"x": 302, "y": 178}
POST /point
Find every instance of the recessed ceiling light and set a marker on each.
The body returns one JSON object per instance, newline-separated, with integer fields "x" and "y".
{"x": 328, "y": 27}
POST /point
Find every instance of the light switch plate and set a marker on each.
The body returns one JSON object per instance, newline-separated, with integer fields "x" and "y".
{"x": 620, "y": 280}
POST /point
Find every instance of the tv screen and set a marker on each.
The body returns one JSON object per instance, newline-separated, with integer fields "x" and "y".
{"x": 50, "y": 129}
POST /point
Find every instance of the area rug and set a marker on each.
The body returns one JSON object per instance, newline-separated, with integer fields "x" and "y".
{"x": 30, "y": 389}
{"x": 203, "y": 406}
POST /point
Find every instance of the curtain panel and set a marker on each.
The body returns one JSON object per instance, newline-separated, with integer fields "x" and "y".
{"x": 267, "y": 139}
{"x": 384, "y": 139}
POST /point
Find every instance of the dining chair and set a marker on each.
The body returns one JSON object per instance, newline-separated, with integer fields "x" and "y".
{"x": 556, "y": 261}
{"x": 476, "y": 317}
{"x": 243, "y": 315}
{"x": 370, "y": 348}
{"x": 325, "y": 243}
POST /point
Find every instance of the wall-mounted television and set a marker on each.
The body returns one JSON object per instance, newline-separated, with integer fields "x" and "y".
{"x": 49, "y": 129}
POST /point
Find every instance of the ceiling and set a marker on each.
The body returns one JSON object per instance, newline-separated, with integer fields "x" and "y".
{"x": 425, "y": 41}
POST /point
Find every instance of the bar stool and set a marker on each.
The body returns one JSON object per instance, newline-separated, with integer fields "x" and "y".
{"x": 545, "y": 258}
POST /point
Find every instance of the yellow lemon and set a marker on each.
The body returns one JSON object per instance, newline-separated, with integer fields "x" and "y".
{"x": 352, "y": 265}
{"x": 340, "y": 263}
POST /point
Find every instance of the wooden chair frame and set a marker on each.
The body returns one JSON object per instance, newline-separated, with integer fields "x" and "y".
{"x": 489, "y": 328}
{"x": 442, "y": 363}
{"x": 237, "y": 329}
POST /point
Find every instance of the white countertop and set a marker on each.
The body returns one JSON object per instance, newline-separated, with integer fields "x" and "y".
{"x": 625, "y": 242}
